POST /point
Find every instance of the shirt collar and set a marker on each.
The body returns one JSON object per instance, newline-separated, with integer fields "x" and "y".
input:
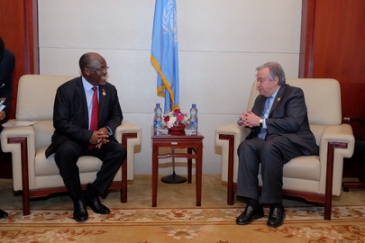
{"x": 274, "y": 94}
{"x": 87, "y": 86}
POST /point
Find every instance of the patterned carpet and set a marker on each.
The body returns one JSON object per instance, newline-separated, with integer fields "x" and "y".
{"x": 216, "y": 225}
{"x": 176, "y": 218}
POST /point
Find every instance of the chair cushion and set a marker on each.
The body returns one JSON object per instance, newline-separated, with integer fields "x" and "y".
{"x": 43, "y": 133}
{"x": 35, "y": 107}
{"x": 303, "y": 167}
{"x": 47, "y": 166}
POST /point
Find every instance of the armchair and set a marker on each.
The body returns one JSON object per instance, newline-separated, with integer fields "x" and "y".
{"x": 355, "y": 166}
{"x": 314, "y": 178}
{"x": 33, "y": 173}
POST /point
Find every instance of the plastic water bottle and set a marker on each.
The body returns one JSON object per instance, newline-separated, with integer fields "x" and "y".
{"x": 194, "y": 120}
{"x": 157, "y": 119}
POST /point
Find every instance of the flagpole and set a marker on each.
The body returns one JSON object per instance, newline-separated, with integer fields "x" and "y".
{"x": 164, "y": 58}
{"x": 173, "y": 178}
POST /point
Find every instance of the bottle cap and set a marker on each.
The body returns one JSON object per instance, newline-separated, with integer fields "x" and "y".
{"x": 193, "y": 105}
{"x": 158, "y": 104}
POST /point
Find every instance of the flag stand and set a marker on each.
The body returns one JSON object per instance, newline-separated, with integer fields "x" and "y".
{"x": 173, "y": 178}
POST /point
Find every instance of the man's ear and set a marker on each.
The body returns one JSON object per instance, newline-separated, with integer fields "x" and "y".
{"x": 87, "y": 71}
{"x": 276, "y": 79}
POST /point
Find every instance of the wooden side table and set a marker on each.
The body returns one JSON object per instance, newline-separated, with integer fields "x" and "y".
{"x": 194, "y": 145}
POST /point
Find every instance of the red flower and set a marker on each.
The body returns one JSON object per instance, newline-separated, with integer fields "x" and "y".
{"x": 180, "y": 117}
{"x": 175, "y": 118}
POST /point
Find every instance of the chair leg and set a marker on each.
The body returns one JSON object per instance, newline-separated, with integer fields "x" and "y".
{"x": 123, "y": 193}
{"x": 327, "y": 210}
{"x": 26, "y": 203}
{"x": 329, "y": 177}
{"x": 123, "y": 190}
{"x": 25, "y": 176}
{"x": 230, "y": 195}
{"x": 230, "y": 190}
{"x": 347, "y": 185}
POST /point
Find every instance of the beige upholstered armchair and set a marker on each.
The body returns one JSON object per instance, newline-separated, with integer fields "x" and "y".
{"x": 314, "y": 178}
{"x": 33, "y": 173}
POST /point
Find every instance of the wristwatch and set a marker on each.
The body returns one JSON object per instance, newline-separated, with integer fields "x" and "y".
{"x": 261, "y": 122}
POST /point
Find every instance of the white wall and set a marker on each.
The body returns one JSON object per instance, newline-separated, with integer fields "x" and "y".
{"x": 221, "y": 42}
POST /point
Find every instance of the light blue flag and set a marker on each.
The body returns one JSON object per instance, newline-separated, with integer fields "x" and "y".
{"x": 164, "y": 53}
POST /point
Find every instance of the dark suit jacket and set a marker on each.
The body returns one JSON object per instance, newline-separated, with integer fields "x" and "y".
{"x": 287, "y": 117}
{"x": 70, "y": 114}
{"x": 7, "y": 64}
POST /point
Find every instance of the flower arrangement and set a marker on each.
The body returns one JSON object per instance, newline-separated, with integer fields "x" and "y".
{"x": 175, "y": 119}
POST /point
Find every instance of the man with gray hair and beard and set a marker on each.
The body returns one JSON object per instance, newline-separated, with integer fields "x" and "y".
{"x": 279, "y": 132}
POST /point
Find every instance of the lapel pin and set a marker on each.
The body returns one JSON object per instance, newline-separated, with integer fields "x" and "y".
{"x": 103, "y": 92}
{"x": 279, "y": 99}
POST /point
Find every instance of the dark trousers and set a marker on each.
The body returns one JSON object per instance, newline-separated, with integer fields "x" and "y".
{"x": 272, "y": 153}
{"x": 112, "y": 154}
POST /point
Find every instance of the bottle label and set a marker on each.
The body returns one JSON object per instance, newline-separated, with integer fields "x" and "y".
{"x": 193, "y": 124}
{"x": 156, "y": 123}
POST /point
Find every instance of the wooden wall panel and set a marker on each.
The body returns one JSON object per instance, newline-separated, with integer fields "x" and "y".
{"x": 333, "y": 46}
{"x": 12, "y": 32}
{"x": 18, "y": 28}
{"x": 339, "y": 49}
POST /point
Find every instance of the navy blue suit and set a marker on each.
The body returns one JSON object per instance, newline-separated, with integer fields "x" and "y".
{"x": 288, "y": 136}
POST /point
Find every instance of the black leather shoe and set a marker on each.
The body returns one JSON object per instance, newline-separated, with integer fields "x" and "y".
{"x": 250, "y": 215}
{"x": 3, "y": 214}
{"x": 276, "y": 216}
{"x": 92, "y": 200}
{"x": 80, "y": 212}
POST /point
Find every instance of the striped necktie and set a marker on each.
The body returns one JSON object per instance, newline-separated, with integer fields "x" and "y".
{"x": 265, "y": 114}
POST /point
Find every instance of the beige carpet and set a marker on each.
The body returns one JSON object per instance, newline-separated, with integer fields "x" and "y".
{"x": 302, "y": 224}
{"x": 177, "y": 219}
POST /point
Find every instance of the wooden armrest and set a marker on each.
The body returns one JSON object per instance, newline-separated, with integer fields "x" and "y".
{"x": 359, "y": 119}
{"x": 338, "y": 134}
{"x": 130, "y": 135}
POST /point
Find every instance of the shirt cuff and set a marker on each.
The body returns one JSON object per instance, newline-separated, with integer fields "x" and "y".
{"x": 110, "y": 130}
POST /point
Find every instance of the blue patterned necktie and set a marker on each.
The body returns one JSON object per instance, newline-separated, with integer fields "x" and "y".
{"x": 265, "y": 114}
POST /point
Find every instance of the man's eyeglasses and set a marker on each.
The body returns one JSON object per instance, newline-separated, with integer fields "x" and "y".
{"x": 99, "y": 70}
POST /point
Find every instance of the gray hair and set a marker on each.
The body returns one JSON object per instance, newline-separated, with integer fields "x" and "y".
{"x": 275, "y": 70}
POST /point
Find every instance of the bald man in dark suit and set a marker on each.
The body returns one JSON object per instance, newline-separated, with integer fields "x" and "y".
{"x": 74, "y": 136}
{"x": 279, "y": 132}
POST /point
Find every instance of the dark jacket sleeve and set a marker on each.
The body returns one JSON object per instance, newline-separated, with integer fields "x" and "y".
{"x": 110, "y": 111}
{"x": 7, "y": 64}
